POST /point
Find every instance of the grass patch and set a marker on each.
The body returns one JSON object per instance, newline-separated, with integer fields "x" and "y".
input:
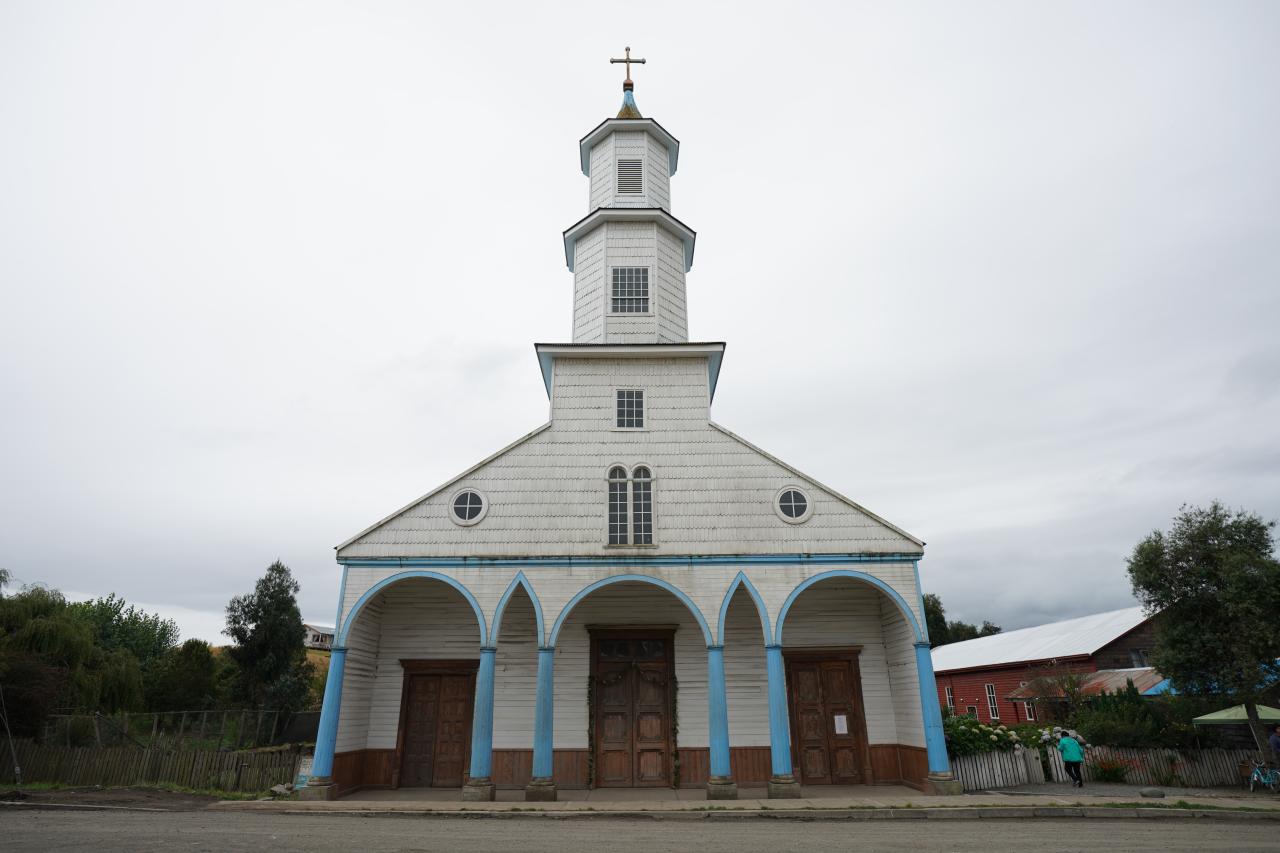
{"x": 157, "y": 786}
{"x": 1179, "y": 804}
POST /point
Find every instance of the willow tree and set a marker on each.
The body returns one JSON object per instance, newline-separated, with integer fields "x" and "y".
{"x": 1215, "y": 582}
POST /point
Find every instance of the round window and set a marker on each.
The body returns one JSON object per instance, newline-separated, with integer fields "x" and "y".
{"x": 793, "y": 506}
{"x": 468, "y": 507}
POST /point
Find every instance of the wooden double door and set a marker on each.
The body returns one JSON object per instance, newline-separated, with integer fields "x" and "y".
{"x": 434, "y": 744}
{"x": 631, "y": 680}
{"x": 828, "y": 726}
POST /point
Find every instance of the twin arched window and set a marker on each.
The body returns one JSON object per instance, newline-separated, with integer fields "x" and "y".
{"x": 630, "y": 506}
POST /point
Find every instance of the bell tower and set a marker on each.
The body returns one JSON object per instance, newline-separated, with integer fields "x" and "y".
{"x": 629, "y": 254}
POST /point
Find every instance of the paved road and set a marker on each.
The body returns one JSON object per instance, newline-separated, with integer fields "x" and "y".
{"x": 138, "y": 832}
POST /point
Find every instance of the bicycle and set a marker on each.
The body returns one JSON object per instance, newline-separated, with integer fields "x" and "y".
{"x": 1264, "y": 776}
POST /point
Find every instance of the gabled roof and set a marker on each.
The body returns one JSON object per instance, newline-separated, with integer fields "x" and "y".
{"x": 1070, "y": 638}
{"x": 1146, "y": 680}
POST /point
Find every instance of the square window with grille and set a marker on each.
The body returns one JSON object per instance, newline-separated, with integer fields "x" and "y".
{"x": 631, "y": 409}
{"x": 631, "y": 290}
{"x": 630, "y": 177}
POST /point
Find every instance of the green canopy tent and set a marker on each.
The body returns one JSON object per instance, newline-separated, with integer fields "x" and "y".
{"x": 1236, "y": 716}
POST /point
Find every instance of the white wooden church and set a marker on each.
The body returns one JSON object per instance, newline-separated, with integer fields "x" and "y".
{"x": 631, "y": 595}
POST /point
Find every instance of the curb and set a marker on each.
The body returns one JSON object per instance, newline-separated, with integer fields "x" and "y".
{"x": 813, "y": 815}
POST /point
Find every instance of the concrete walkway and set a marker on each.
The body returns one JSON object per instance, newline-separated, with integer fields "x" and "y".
{"x": 656, "y": 802}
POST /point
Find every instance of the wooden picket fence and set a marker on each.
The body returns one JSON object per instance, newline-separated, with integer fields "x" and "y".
{"x": 123, "y": 766}
{"x": 998, "y": 769}
{"x": 1191, "y": 768}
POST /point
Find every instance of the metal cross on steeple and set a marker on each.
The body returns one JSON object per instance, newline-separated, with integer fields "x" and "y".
{"x": 627, "y": 85}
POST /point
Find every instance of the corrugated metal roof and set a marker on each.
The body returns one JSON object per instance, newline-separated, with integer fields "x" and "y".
{"x": 1145, "y": 679}
{"x": 1081, "y": 636}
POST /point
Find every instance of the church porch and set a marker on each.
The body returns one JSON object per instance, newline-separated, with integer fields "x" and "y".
{"x": 632, "y": 689}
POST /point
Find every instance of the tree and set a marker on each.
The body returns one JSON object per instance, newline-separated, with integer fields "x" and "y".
{"x": 1215, "y": 582}
{"x": 266, "y": 626}
{"x": 942, "y": 632}
{"x": 185, "y": 679}
{"x": 116, "y": 625}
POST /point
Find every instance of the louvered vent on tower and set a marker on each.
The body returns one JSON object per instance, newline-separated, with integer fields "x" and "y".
{"x": 630, "y": 177}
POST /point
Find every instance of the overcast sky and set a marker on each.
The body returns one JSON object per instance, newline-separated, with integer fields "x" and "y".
{"x": 1004, "y": 273}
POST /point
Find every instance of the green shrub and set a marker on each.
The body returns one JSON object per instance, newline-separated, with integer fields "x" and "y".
{"x": 967, "y": 736}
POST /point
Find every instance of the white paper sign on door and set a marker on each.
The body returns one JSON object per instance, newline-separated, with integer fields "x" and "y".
{"x": 842, "y": 724}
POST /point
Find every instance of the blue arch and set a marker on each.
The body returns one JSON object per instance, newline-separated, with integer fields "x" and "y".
{"x": 603, "y": 582}
{"x": 518, "y": 580}
{"x": 847, "y": 573}
{"x": 743, "y": 581}
{"x": 341, "y": 639}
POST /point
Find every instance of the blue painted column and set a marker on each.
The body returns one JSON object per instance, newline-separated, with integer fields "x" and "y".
{"x": 482, "y": 722}
{"x": 544, "y": 717}
{"x": 779, "y": 728}
{"x": 934, "y": 740}
{"x": 327, "y": 734}
{"x": 718, "y": 713}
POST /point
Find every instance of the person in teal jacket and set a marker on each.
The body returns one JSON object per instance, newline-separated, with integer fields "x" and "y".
{"x": 1072, "y": 757}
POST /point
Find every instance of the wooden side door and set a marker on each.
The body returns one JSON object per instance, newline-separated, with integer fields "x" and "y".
{"x": 829, "y": 735}
{"x": 453, "y": 731}
{"x": 421, "y": 704}
{"x": 844, "y": 718}
{"x": 434, "y": 743}
{"x": 809, "y": 723}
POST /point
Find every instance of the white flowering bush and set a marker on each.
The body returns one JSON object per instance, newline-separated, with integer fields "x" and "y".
{"x": 966, "y": 736}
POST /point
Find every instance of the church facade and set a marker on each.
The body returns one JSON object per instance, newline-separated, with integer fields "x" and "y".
{"x": 631, "y": 595}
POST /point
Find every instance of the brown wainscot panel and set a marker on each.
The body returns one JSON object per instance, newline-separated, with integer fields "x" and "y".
{"x": 915, "y": 765}
{"x": 885, "y": 766}
{"x": 363, "y": 768}
{"x": 750, "y": 766}
{"x": 513, "y": 768}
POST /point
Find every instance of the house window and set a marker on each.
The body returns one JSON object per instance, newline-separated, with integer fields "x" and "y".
{"x": 992, "y": 707}
{"x": 972, "y": 711}
{"x": 630, "y": 409}
{"x": 1030, "y": 708}
{"x": 467, "y": 507}
{"x": 951, "y": 700}
{"x": 630, "y": 177}
{"x": 638, "y": 486}
{"x": 630, "y": 290}
{"x": 792, "y": 505}
{"x": 1138, "y": 657}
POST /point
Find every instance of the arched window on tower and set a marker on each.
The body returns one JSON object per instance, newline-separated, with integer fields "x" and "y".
{"x": 630, "y": 500}
{"x": 618, "y": 527}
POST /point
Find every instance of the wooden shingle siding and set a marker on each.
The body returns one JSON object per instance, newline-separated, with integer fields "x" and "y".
{"x": 712, "y": 493}
{"x": 746, "y": 686}
{"x": 590, "y": 291}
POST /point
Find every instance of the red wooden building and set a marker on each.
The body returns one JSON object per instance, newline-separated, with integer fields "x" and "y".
{"x": 976, "y": 677}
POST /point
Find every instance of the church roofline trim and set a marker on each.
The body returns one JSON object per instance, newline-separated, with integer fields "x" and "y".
{"x": 843, "y": 499}
{"x": 712, "y": 351}
{"x": 629, "y": 214}
{"x": 687, "y": 560}
{"x": 438, "y": 489}
{"x": 610, "y": 125}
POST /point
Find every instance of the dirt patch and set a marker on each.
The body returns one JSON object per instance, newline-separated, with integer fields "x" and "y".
{"x": 95, "y": 796}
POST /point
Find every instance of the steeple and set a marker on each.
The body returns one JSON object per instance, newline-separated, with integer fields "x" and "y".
{"x": 629, "y": 254}
{"x": 629, "y": 108}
